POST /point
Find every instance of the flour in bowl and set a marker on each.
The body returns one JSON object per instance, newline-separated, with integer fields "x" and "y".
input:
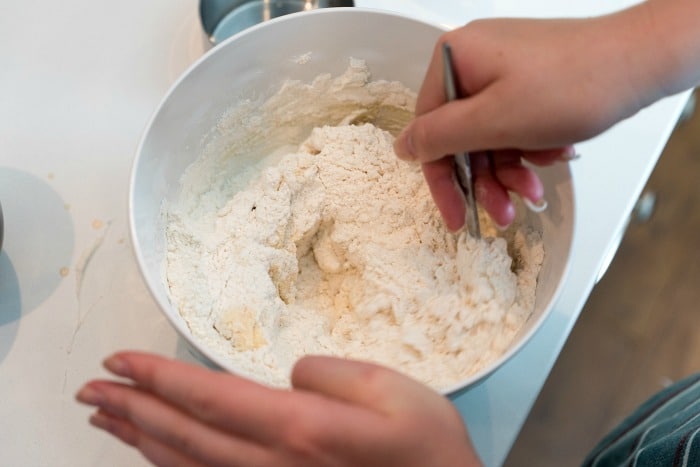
{"x": 337, "y": 248}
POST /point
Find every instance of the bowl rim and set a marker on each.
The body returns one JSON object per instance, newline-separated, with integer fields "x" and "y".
{"x": 180, "y": 326}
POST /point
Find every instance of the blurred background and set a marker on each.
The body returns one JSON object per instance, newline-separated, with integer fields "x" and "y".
{"x": 640, "y": 329}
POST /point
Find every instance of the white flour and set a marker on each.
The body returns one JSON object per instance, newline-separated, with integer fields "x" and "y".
{"x": 337, "y": 248}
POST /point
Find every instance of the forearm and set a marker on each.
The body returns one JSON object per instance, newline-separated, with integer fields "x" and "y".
{"x": 664, "y": 42}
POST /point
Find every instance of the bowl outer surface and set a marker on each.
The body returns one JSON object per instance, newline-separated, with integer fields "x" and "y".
{"x": 254, "y": 63}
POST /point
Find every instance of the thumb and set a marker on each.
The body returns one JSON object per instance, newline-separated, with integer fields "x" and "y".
{"x": 362, "y": 383}
{"x": 464, "y": 125}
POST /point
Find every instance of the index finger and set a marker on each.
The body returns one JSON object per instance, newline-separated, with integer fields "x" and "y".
{"x": 243, "y": 407}
{"x": 432, "y": 94}
{"x": 469, "y": 78}
{"x": 198, "y": 391}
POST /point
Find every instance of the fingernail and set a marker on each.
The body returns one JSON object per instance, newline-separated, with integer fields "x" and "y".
{"x": 101, "y": 421}
{"x": 501, "y": 228}
{"x": 454, "y": 229}
{"x": 97, "y": 419}
{"x": 118, "y": 366}
{"x": 540, "y": 206}
{"x": 569, "y": 154}
{"x": 89, "y": 395}
{"x": 404, "y": 148}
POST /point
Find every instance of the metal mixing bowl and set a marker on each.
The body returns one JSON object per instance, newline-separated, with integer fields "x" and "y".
{"x": 224, "y": 18}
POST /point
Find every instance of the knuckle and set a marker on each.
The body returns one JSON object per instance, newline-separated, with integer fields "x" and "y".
{"x": 437, "y": 48}
{"x": 300, "y": 435}
{"x": 372, "y": 377}
{"x": 184, "y": 442}
{"x": 373, "y": 382}
{"x": 202, "y": 404}
{"x": 178, "y": 439}
{"x": 147, "y": 374}
{"x": 449, "y": 36}
{"x": 421, "y": 138}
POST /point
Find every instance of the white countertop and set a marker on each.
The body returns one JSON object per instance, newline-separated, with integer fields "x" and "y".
{"x": 78, "y": 81}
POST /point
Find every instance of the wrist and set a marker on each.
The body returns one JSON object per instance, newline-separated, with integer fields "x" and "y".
{"x": 660, "y": 41}
{"x": 626, "y": 59}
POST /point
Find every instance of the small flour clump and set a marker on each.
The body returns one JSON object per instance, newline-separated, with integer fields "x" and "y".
{"x": 337, "y": 248}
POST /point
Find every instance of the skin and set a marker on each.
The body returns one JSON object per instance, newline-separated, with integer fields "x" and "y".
{"x": 339, "y": 413}
{"x": 536, "y": 87}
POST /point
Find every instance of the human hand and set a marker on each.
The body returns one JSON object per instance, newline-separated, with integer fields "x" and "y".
{"x": 339, "y": 413}
{"x": 535, "y": 87}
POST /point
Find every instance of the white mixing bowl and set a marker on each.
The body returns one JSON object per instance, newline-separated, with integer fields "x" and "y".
{"x": 256, "y": 62}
